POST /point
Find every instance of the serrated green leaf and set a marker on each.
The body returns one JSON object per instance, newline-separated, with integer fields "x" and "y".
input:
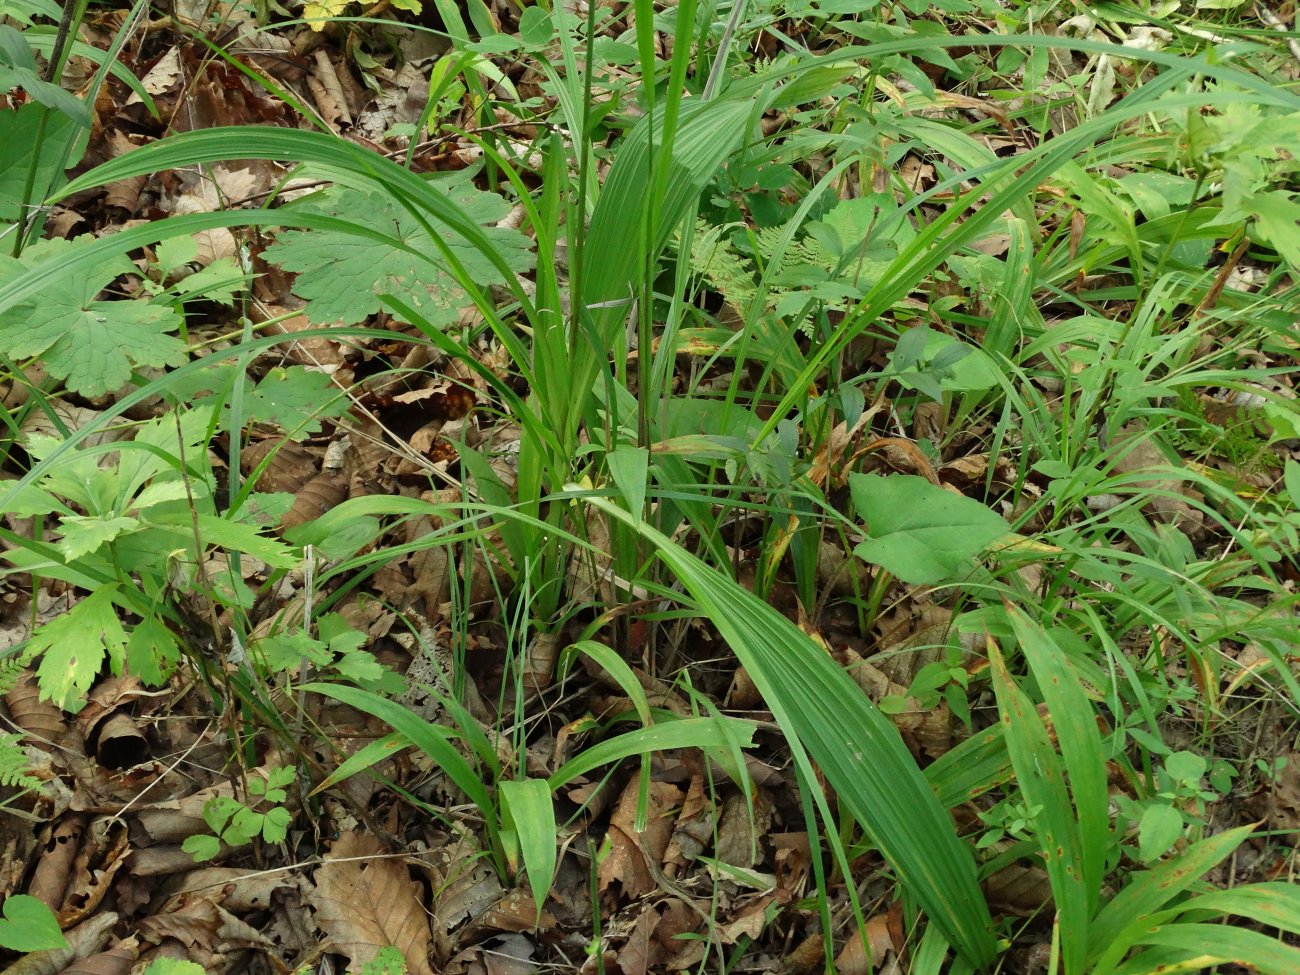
{"x": 1277, "y": 217}
{"x": 236, "y": 536}
{"x": 317, "y": 12}
{"x": 31, "y": 500}
{"x": 293, "y": 398}
{"x": 285, "y": 651}
{"x": 343, "y": 276}
{"x": 91, "y": 345}
{"x": 152, "y": 651}
{"x": 919, "y": 532}
{"x": 173, "y": 252}
{"x": 72, "y": 648}
{"x": 296, "y": 400}
{"x": 220, "y": 281}
{"x": 173, "y": 435}
{"x": 85, "y": 534}
{"x": 160, "y": 492}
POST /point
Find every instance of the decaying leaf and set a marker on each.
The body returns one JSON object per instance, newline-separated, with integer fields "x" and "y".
{"x": 366, "y": 901}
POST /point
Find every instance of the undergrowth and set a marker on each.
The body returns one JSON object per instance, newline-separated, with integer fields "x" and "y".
{"x": 929, "y": 376}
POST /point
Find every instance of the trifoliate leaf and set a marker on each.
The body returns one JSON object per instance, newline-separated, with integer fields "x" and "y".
{"x": 343, "y": 275}
{"x": 918, "y": 531}
{"x": 72, "y": 648}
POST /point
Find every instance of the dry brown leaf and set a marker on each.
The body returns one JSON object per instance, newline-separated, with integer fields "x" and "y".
{"x": 1020, "y": 890}
{"x": 365, "y": 902}
{"x": 290, "y": 465}
{"x": 911, "y": 636}
{"x": 739, "y": 834}
{"x": 640, "y": 953}
{"x": 328, "y": 92}
{"x": 807, "y": 957}
{"x": 244, "y": 891}
{"x": 900, "y": 454}
{"x": 117, "y": 960}
{"x": 1138, "y": 454}
{"x": 317, "y": 496}
{"x": 50, "y": 881}
{"x": 514, "y": 912}
{"x": 317, "y": 352}
{"x": 45, "y": 723}
{"x": 466, "y": 885}
{"x": 103, "y": 852}
{"x": 1280, "y": 805}
{"x": 693, "y": 831}
{"x": 124, "y": 194}
{"x": 539, "y": 662}
{"x": 631, "y": 852}
{"x": 504, "y": 954}
{"x": 859, "y": 958}
{"x": 590, "y": 573}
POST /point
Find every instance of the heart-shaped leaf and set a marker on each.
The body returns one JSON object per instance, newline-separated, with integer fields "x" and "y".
{"x": 29, "y": 925}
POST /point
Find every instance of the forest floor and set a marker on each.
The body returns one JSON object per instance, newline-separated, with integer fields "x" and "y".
{"x": 738, "y": 487}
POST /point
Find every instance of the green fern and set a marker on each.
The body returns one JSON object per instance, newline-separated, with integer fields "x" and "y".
{"x": 14, "y": 767}
{"x": 11, "y": 671}
{"x": 830, "y": 263}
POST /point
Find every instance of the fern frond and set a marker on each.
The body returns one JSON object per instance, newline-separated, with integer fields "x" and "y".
{"x": 14, "y": 767}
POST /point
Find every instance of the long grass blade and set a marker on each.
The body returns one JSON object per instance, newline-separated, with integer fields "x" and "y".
{"x": 858, "y": 749}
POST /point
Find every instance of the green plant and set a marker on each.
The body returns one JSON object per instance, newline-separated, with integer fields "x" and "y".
{"x": 15, "y": 771}
{"x": 172, "y": 966}
{"x": 822, "y": 306}
{"x": 112, "y": 508}
{"x": 1074, "y": 835}
{"x": 235, "y": 823}
{"x": 1177, "y": 802}
{"x": 28, "y": 925}
{"x": 387, "y": 961}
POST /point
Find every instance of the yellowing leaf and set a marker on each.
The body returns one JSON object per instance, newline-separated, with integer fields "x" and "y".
{"x": 317, "y": 12}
